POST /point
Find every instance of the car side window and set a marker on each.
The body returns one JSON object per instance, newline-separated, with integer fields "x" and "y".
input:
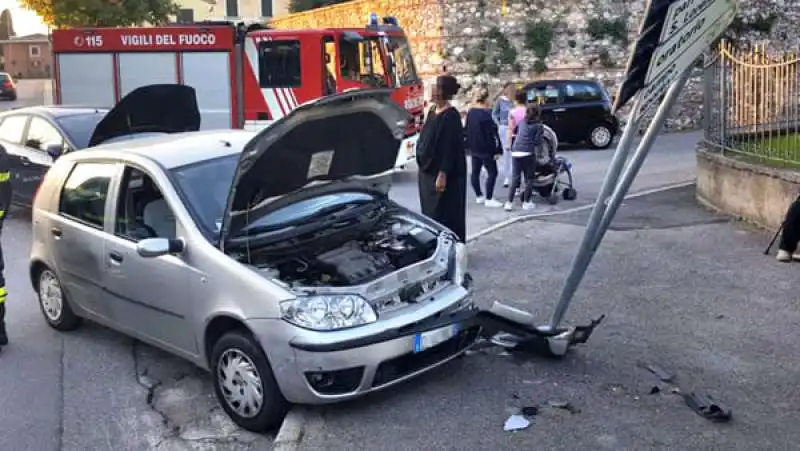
{"x": 142, "y": 211}
{"x": 581, "y": 92}
{"x": 42, "y": 134}
{"x": 83, "y": 197}
{"x": 12, "y": 129}
{"x": 543, "y": 94}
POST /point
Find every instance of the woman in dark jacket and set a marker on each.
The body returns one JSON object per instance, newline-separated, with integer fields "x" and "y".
{"x": 484, "y": 146}
{"x": 442, "y": 162}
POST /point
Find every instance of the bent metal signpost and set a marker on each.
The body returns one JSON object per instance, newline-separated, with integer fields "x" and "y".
{"x": 672, "y": 36}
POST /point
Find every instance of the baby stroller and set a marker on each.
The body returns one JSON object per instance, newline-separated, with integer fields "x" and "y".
{"x": 553, "y": 175}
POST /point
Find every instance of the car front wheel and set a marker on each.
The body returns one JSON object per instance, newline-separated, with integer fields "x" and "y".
{"x": 244, "y": 383}
{"x": 53, "y": 302}
{"x": 601, "y": 136}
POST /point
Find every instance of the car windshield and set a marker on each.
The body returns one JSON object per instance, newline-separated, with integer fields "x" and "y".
{"x": 307, "y": 209}
{"x": 400, "y": 56}
{"x": 205, "y": 186}
{"x": 79, "y": 127}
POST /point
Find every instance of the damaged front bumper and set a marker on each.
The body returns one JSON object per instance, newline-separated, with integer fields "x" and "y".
{"x": 317, "y": 372}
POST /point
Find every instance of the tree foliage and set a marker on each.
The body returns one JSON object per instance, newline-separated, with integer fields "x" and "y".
{"x": 296, "y": 6}
{"x": 102, "y": 13}
{"x": 6, "y": 25}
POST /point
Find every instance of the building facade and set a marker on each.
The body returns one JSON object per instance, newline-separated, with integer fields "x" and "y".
{"x": 199, "y": 10}
{"x": 28, "y": 56}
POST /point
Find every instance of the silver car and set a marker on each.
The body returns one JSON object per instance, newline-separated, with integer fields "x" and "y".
{"x": 274, "y": 260}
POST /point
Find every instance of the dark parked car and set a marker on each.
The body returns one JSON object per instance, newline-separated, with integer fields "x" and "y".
{"x": 577, "y": 110}
{"x": 35, "y": 136}
{"x": 8, "y": 89}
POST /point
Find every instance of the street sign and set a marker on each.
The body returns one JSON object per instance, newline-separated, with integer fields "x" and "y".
{"x": 673, "y": 35}
{"x": 672, "y": 31}
{"x": 660, "y": 77}
{"x": 685, "y": 36}
{"x": 650, "y": 32}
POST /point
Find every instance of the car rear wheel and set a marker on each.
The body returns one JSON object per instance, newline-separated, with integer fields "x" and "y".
{"x": 601, "y": 136}
{"x": 54, "y": 303}
{"x": 244, "y": 383}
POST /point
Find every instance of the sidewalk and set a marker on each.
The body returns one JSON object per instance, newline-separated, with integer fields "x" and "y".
{"x": 681, "y": 288}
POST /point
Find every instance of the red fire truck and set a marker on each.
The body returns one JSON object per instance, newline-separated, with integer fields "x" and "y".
{"x": 245, "y": 76}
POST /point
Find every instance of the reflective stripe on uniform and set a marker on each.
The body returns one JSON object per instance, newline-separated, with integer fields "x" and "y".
{"x": 3, "y": 294}
{"x": 5, "y": 176}
{"x": 2, "y": 214}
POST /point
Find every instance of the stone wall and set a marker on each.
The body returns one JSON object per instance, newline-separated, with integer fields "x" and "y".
{"x": 485, "y": 42}
{"x": 421, "y": 20}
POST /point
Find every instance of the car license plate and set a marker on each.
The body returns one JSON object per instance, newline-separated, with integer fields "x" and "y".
{"x": 427, "y": 340}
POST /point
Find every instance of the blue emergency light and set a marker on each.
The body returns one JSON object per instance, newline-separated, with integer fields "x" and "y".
{"x": 373, "y": 19}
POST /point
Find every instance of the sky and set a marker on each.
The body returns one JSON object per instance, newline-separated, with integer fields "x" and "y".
{"x": 25, "y": 21}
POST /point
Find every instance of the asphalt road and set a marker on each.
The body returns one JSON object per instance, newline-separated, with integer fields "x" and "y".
{"x": 29, "y": 93}
{"x": 682, "y": 288}
{"x": 95, "y": 389}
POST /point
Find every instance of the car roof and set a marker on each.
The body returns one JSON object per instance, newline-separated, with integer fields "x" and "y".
{"x": 576, "y": 80}
{"x": 177, "y": 149}
{"x": 55, "y": 111}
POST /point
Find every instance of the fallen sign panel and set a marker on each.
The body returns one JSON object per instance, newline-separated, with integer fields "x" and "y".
{"x": 684, "y": 46}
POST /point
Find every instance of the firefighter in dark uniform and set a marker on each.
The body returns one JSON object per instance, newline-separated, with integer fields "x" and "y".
{"x": 5, "y": 205}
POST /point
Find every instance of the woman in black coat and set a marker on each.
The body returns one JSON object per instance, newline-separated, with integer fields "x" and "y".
{"x": 442, "y": 161}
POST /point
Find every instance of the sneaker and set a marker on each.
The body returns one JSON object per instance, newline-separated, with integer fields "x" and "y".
{"x": 493, "y": 203}
{"x": 784, "y": 256}
{"x": 480, "y": 200}
{"x": 528, "y": 205}
{"x": 508, "y": 206}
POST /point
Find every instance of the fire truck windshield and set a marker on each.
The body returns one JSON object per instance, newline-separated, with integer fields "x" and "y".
{"x": 378, "y": 61}
{"x": 400, "y": 57}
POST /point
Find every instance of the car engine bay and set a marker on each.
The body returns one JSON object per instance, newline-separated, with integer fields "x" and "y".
{"x": 390, "y": 244}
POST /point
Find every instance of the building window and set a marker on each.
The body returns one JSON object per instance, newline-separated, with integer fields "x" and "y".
{"x": 232, "y": 8}
{"x": 35, "y": 51}
{"x": 266, "y": 8}
{"x": 279, "y": 64}
{"x": 185, "y": 15}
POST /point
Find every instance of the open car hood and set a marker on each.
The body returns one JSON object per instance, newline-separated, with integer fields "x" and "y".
{"x": 152, "y": 108}
{"x": 343, "y": 137}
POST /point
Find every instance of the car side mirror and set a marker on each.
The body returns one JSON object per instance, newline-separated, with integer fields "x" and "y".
{"x": 156, "y": 247}
{"x": 54, "y": 150}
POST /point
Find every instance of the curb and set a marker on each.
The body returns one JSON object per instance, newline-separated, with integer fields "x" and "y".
{"x": 295, "y": 425}
{"x": 292, "y": 429}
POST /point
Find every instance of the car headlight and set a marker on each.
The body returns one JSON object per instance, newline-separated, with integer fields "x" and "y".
{"x": 459, "y": 263}
{"x": 328, "y": 312}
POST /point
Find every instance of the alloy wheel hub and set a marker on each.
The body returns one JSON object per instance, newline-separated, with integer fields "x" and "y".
{"x": 240, "y": 383}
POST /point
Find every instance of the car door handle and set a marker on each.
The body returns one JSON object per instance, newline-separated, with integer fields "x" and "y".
{"x": 559, "y": 110}
{"x": 56, "y": 232}
{"x": 116, "y": 257}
